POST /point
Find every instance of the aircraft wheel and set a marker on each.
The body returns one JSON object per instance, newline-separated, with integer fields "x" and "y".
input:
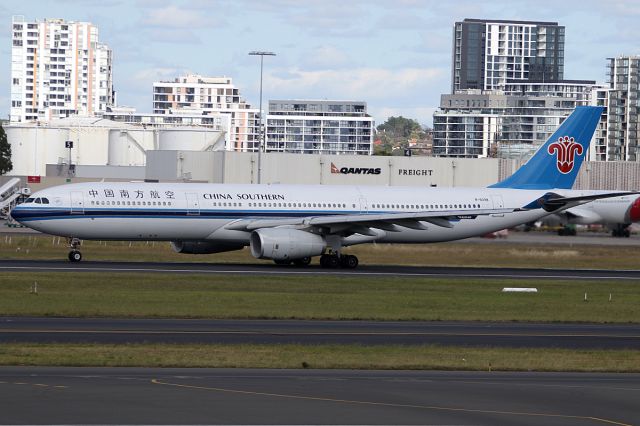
{"x": 349, "y": 261}
{"x": 329, "y": 261}
{"x": 304, "y": 261}
{"x": 75, "y": 256}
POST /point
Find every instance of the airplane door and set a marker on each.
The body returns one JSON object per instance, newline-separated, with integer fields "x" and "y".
{"x": 193, "y": 205}
{"x": 77, "y": 202}
{"x": 363, "y": 205}
{"x": 498, "y": 203}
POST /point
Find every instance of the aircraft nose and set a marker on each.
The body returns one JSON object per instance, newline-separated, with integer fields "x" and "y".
{"x": 17, "y": 213}
{"x": 634, "y": 211}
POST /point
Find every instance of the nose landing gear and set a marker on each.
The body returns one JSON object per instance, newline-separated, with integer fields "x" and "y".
{"x": 74, "y": 254}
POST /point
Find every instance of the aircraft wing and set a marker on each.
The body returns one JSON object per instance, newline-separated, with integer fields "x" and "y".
{"x": 552, "y": 202}
{"x": 360, "y": 223}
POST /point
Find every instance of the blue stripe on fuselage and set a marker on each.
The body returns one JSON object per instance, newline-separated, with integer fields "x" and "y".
{"x": 31, "y": 214}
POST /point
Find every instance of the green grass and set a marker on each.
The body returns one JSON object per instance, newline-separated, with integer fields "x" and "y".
{"x": 391, "y": 357}
{"x": 502, "y": 254}
{"x": 314, "y": 297}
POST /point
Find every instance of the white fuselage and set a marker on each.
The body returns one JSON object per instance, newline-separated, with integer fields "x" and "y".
{"x": 199, "y": 212}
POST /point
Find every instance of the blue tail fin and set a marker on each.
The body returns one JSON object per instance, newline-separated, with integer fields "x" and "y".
{"x": 556, "y": 163}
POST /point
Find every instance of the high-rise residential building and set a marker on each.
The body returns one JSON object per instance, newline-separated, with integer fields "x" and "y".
{"x": 319, "y": 127}
{"x": 622, "y": 99}
{"x": 487, "y": 54}
{"x": 58, "y": 69}
{"x": 210, "y": 96}
{"x": 506, "y": 123}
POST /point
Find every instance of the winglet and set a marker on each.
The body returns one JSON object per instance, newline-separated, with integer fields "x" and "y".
{"x": 557, "y": 162}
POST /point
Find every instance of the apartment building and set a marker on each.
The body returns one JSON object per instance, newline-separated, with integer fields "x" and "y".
{"x": 489, "y": 53}
{"x": 622, "y": 99}
{"x": 319, "y": 127}
{"x": 509, "y": 123}
{"x": 209, "y": 97}
{"x": 58, "y": 68}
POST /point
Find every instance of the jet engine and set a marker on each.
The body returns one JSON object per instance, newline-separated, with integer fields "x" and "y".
{"x": 285, "y": 244}
{"x": 203, "y": 247}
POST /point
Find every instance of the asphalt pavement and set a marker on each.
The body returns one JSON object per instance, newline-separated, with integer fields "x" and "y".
{"x": 46, "y": 395}
{"x": 181, "y": 331}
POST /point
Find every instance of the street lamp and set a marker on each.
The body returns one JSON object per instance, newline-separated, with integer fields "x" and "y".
{"x": 261, "y": 137}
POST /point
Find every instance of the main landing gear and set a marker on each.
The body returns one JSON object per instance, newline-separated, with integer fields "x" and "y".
{"x": 331, "y": 261}
{"x": 74, "y": 254}
{"x": 621, "y": 230}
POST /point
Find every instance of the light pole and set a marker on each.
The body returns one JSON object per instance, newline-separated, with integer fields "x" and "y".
{"x": 261, "y": 134}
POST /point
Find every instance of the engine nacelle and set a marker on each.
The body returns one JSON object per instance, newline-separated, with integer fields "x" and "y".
{"x": 285, "y": 244}
{"x": 203, "y": 247}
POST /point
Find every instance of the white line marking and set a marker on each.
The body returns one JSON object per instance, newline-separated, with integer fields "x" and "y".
{"x": 352, "y": 273}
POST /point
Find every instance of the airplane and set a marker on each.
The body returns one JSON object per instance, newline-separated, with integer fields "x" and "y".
{"x": 293, "y": 223}
{"x": 615, "y": 213}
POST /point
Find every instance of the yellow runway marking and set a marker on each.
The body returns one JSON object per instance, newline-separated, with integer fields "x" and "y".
{"x": 40, "y": 385}
{"x": 389, "y": 404}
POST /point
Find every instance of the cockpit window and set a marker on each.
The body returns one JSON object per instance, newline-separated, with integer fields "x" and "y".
{"x": 38, "y": 201}
{"x": 45, "y": 201}
{"x": 30, "y": 200}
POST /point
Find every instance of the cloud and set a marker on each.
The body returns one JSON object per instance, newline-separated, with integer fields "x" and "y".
{"x": 325, "y": 57}
{"x": 150, "y": 75}
{"x": 326, "y": 18}
{"x": 175, "y": 17}
{"x": 356, "y": 84}
{"x": 174, "y": 36}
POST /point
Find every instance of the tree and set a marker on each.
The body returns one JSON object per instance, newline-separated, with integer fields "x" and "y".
{"x": 397, "y": 133}
{"x": 5, "y": 153}
{"x": 399, "y": 127}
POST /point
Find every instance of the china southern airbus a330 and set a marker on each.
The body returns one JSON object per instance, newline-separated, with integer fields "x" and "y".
{"x": 293, "y": 223}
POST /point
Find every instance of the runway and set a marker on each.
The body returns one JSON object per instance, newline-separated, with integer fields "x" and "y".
{"x": 181, "y": 331}
{"x": 389, "y": 271}
{"x": 37, "y": 395}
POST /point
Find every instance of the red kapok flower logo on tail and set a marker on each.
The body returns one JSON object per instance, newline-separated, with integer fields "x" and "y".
{"x": 566, "y": 149}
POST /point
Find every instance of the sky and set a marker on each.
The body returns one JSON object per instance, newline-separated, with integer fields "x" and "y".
{"x": 393, "y": 54}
